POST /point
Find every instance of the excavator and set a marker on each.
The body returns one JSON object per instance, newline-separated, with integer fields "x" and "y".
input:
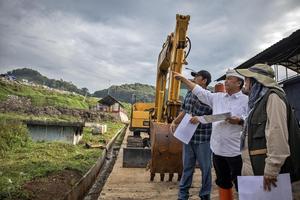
{"x": 155, "y": 118}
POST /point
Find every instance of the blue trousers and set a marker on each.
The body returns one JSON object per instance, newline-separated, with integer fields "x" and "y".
{"x": 192, "y": 153}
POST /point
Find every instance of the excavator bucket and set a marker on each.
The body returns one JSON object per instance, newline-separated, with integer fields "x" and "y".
{"x": 166, "y": 151}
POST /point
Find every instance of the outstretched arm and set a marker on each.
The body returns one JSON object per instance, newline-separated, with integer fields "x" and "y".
{"x": 180, "y": 77}
{"x": 203, "y": 95}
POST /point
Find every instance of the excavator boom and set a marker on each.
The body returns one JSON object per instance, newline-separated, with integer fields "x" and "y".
{"x": 171, "y": 58}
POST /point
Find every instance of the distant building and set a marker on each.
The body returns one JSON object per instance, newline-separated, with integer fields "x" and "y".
{"x": 24, "y": 80}
{"x": 111, "y": 105}
{"x": 8, "y": 77}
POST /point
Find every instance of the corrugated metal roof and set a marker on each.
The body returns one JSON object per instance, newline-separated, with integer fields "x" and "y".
{"x": 286, "y": 52}
{"x": 109, "y": 100}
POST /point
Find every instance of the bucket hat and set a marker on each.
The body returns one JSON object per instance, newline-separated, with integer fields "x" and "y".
{"x": 263, "y": 73}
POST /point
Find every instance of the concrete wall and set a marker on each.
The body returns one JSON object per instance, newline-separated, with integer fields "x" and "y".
{"x": 68, "y": 134}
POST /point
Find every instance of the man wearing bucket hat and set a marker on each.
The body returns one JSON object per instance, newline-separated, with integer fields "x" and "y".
{"x": 270, "y": 128}
{"x": 225, "y": 138}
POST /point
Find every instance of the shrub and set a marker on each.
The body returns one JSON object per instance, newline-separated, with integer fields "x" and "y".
{"x": 13, "y": 134}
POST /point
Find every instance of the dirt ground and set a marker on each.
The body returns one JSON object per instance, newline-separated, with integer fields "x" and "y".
{"x": 135, "y": 184}
{"x": 54, "y": 186}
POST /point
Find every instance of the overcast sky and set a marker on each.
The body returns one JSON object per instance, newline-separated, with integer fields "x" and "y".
{"x": 97, "y": 43}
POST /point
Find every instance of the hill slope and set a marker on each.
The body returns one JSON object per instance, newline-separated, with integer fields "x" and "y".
{"x": 125, "y": 93}
{"x": 36, "y": 77}
{"x": 128, "y": 92}
{"x": 40, "y": 96}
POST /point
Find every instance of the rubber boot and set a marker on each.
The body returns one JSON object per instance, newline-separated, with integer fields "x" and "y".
{"x": 225, "y": 194}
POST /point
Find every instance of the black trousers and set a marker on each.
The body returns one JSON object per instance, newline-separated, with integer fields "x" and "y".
{"x": 227, "y": 169}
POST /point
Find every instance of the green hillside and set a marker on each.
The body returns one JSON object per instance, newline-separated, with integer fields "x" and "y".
{"x": 36, "y": 77}
{"x": 40, "y": 96}
{"x": 124, "y": 93}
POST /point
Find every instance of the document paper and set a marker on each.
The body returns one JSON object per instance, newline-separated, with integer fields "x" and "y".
{"x": 251, "y": 187}
{"x": 216, "y": 117}
{"x": 185, "y": 130}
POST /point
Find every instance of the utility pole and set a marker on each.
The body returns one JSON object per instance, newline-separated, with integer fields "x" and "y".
{"x": 108, "y": 87}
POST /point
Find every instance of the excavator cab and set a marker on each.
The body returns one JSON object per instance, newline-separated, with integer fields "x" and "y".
{"x": 140, "y": 116}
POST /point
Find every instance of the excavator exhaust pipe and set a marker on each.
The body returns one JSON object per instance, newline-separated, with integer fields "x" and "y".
{"x": 166, "y": 152}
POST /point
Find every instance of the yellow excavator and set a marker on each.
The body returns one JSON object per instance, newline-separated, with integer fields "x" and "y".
{"x": 155, "y": 118}
{"x": 140, "y": 116}
{"x": 166, "y": 150}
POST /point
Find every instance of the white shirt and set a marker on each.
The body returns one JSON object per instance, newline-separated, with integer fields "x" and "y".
{"x": 225, "y": 137}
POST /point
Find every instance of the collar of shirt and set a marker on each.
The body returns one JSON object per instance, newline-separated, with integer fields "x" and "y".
{"x": 235, "y": 95}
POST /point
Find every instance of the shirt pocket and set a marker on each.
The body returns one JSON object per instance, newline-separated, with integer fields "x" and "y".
{"x": 258, "y": 124}
{"x": 238, "y": 110}
{"x": 260, "y": 129}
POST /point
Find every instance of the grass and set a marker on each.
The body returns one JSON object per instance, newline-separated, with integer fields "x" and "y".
{"x": 127, "y": 108}
{"x": 45, "y": 97}
{"x": 22, "y": 117}
{"x": 39, "y": 159}
{"x": 13, "y": 134}
{"x": 22, "y": 159}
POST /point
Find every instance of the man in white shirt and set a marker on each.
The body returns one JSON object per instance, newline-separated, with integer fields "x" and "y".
{"x": 226, "y": 135}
